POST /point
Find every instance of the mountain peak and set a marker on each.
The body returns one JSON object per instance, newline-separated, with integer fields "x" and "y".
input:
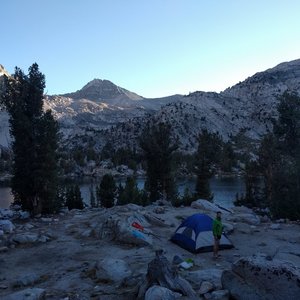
{"x": 98, "y": 83}
{"x": 103, "y": 90}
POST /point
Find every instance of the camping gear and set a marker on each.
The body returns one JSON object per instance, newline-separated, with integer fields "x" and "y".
{"x": 195, "y": 235}
{"x": 140, "y": 228}
{"x": 186, "y": 264}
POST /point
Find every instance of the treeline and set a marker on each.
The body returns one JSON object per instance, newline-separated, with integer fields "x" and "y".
{"x": 160, "y": 161}
{"x": 278, "y": 165}
{"x": 81, "y": 156}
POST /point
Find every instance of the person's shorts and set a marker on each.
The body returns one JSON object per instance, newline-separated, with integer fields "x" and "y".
{"x": 217, "y": 237}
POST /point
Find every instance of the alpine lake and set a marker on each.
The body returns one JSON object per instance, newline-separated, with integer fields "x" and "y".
{"x": 223, "y": 188}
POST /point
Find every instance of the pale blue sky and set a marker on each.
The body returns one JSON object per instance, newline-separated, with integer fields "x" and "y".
{"x": 151, "y": 47}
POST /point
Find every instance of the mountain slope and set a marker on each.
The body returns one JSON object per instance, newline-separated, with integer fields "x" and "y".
{"x": 3, "y": 71}
{"x": 247, "y": 107}
{"x": 107, "y": 112}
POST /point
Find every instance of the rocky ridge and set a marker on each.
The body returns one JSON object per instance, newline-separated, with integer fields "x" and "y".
{"x": 247, "y": 107}
{"x": 3, "y": 71}
{"x": 109, "y": 112}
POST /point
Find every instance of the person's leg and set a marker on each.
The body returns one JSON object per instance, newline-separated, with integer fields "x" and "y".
{"x": 216, "y": 246}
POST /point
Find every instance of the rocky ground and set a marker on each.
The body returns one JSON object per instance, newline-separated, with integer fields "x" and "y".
{"x": 91, "y": 254}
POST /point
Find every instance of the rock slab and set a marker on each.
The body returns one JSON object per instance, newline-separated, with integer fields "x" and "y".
{"x": 258, "y": 278}
{"x": 27, "y": 294}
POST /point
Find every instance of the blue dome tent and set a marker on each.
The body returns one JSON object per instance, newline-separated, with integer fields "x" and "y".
{"x": 195, "y": 235}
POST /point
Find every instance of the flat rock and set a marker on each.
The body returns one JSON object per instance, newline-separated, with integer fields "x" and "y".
{"x": 275, "y": 226}
{"x": 26, "y": 280}
{"x": 154, "y": 220}
{"x": 248, "y": 218}
{"x": 228, "y": 228}
{"x": 25, "y": 238}
{"x": 210, "y": 274}
{"x": 259, "y": 278}
{"x": 158, "y": 292}
{"x": 220, "y": 295}
{"x": 129, "y": 207}
{"x": 238, "y": 288}
{"x": 49, "y": 220}
{"x": 28, "y": 226}
{"x": 27, "y": 294}
{"x": 244, "y": 228}
{"x": 111, "y": 269}
{"x": 208, "y": 206}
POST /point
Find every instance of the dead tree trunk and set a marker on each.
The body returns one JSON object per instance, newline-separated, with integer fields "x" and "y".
{"x": 160, "y": 272}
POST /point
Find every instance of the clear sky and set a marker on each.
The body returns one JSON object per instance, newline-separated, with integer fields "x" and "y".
{"x": 152, "y": 47}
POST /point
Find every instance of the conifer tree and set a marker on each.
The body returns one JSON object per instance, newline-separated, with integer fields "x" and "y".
{"x": 253, "y": 191}
{"x": 35, "y": 139}
{"x": 287, "y": 127}
{"x": 227, "y": 157}
{"x": 279, "y": 159}
{"x": 158, "y": 147}
{"x": 106, "y": 191}
{"x": 130, "y": 193}
{"x": 209, "y": 147}
{"x": 267, "y": 159}
{"x": 73, "y": 197}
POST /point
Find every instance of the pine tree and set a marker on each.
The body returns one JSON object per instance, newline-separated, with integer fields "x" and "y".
{"x": 106, "y": 191}
{"x": 130, "y": 193}
{"x": 158, "y": 147}
{"x": 45, "y": 168}
{"x": 279, "y": 159}
{"x": 268, "y": 155}
{"x": 287, "y": 127}
{"x": 35, "y": 139}
{"x": 253, "y": 190}
{"x": 73, "y": 197}
{"x": 227, "y": 159}
{"x": 208, "y": 153}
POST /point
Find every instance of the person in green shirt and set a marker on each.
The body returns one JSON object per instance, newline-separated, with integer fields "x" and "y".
{"x": 217, "y": 229}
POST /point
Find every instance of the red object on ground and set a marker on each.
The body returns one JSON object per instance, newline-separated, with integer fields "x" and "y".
{"x": 137, "y": 225}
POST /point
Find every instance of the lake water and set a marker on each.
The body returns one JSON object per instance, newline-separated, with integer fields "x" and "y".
{"x": 224, "y": 189}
